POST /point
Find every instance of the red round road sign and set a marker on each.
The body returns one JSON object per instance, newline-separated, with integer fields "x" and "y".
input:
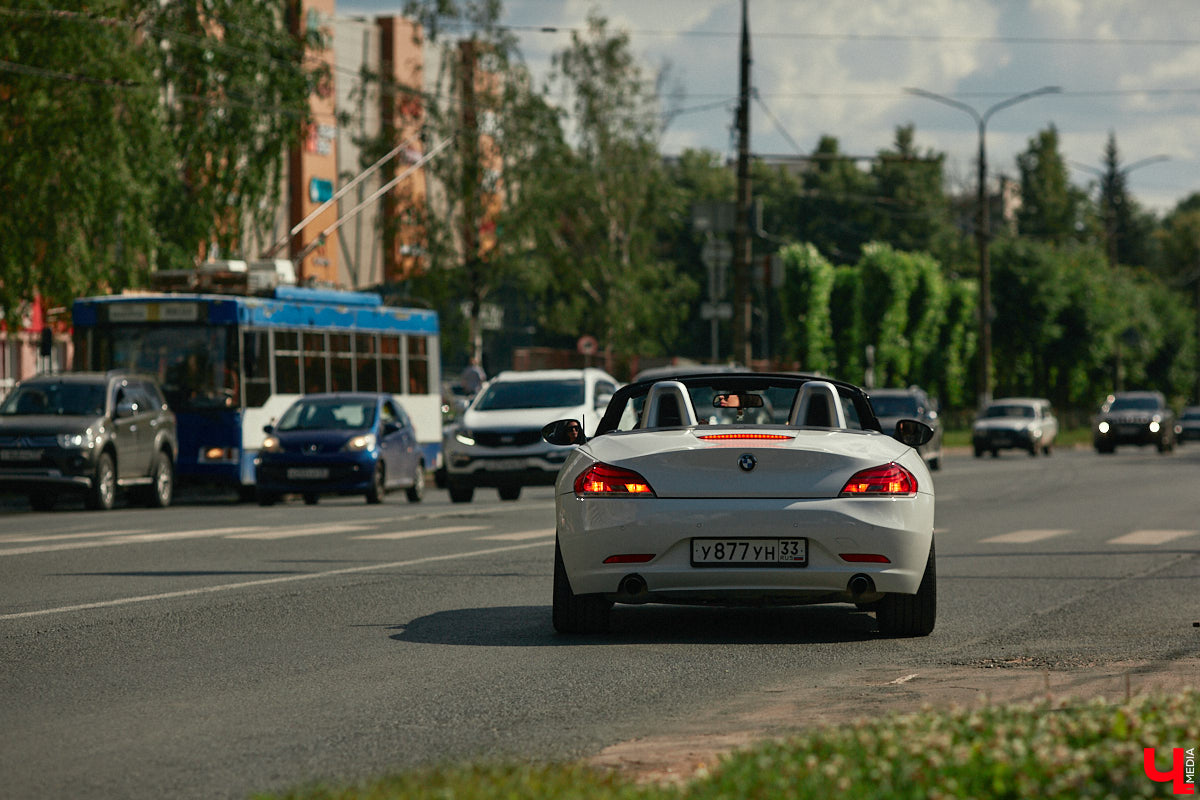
{"x": 587, "y": 345}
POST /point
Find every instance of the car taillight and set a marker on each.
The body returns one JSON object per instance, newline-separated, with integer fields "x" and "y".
{"x": 890, "y": 480}
{"x": 604, "y": 479}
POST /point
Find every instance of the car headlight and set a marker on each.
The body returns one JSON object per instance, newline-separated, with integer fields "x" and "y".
{"x": 360, "y": 443}
{"x": 77, "y": 441}
{"x": 1154, "y": 426}
{"x": 271, "y": 445}
{"x": 1102, "y": 427}
{"x": 465, "y": 437}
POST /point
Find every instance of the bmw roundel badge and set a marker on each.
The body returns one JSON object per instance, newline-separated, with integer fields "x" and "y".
{"x": 747, "y": 461}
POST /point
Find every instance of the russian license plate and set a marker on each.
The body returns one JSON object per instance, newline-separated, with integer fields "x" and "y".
{"x": 749, "y": 552}
{"x": 307, "y": 473}
{"x": 20, "y": 455}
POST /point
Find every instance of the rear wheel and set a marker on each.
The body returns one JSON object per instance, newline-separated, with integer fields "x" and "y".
{"x": 378, "y": 489}
{"x": 311, "y": 498}
{"x": 574, "y": 613}
{"x": 416, "y": 492}
{"x": 509, "y": 492}
{"x": 911, "y": 614}
{"x": 162, "y": 486}
{"x": 103, "y": 493}
{"x": 266, "y": 498}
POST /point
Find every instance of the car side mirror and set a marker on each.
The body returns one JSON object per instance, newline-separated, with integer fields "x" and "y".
{"x": 912, "y": 432}
{"x": 390, "y": 427}
{"x": 564, "y": 432}
{"x": 268, "y": 428}
{"x": 126, "y": 408}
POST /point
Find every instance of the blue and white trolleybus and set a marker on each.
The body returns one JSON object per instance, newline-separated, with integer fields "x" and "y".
{"x": 230, "y": 364}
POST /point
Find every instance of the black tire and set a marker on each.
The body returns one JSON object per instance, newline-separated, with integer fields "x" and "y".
{"x": 42, "y": 500}
{"x": 509, "y": 492}
{"x": 311, "y": 498}
{"x": 416, "y": 492}
{"x": 103, "y": 492}
{"x": 935, "y": 464}
{"x": 995, "y": 453}
{"x": 911, "y": 614}
{"x": 460, "y": 492}
{"x": 979, "y": 452}
{"x": 575, "y": 613}
{"x": 378, "y": 489}
{"x": 439, "y": 477}
{"x": 162, "y": 482}
{"x": 266, "y": 498}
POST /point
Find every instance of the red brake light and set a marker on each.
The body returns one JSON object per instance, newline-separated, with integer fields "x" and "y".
{"x": 888, "y": 480}
{"x": 609, "y": 480}
{"x": 757, "y": 437}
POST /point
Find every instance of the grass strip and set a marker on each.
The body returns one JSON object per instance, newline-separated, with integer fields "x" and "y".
{"x": 1054, "y": 750}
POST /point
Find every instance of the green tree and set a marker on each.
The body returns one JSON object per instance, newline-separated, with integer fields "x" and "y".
{"x": 835, "y": 211}
{"x": 913, "y": 211}
{"x": 1128, "y": 230}
{"x": 805, "y": 303}
{"x": 83, "y": 151}
{"x": 597, "y": 262}
{"x": 480, "y": 232}
{"x": 236, "y": 87}
{"x": 1051, "y": 207}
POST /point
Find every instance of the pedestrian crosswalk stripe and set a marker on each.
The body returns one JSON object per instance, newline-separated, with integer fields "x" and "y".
{"x": 1151, "y": 537}
{"x": 1025, "y": 537}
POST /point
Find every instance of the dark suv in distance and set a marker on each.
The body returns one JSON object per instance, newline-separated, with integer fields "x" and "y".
{"x": 89, "y": 433}
{"x": 1134, "y": 418}
{"x": 893, "y": 405}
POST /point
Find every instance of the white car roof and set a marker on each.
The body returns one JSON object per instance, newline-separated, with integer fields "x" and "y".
{"x": 551, "y": 374}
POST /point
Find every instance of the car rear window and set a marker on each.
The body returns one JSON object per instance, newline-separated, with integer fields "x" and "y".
{"x": 508, "y": 395}
{"x": 894, "y": 406}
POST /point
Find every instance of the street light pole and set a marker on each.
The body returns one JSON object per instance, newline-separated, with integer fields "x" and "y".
{"x": 983, "y": 226}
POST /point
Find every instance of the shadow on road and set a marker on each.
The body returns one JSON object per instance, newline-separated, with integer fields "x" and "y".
{"x": 529, "y": 626}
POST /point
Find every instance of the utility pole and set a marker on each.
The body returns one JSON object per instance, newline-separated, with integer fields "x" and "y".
{"x": 742, "y": 313}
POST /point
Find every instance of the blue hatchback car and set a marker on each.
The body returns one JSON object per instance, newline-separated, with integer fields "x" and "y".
{"x": 341, "y": 443}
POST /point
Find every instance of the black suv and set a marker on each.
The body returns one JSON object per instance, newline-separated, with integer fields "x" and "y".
{"x": 1134, "y": 418}
{"x": 89, "y": 432}
{"x": 893, "y": 405}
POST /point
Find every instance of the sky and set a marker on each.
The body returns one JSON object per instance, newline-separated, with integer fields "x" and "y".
{"x": 843, "y": 67}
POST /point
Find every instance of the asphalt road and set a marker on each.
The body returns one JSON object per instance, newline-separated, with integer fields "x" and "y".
{"x": 211, "y": 650}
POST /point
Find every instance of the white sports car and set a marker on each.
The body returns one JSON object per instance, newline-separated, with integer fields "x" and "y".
{"x": 743, "y": 489}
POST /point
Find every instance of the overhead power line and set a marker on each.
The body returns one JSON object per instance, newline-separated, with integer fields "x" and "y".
{"x": 867, "y": 37}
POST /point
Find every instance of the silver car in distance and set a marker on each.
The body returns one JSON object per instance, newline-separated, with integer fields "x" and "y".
{"x": 743, "y": 489}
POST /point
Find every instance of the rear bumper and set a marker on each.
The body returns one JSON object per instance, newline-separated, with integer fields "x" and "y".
{"x": 595, "y": 529}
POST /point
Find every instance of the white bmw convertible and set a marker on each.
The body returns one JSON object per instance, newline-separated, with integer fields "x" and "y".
{"x": 743, "y": 489}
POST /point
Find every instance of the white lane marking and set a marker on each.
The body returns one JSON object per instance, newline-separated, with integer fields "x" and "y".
{"x": 268, "y": 581}
{"x": 903, "y": 680}
{"x": 303, "y": 530}
{"x": 425, "y": 532}
{"x": 1151, "y": 537}
{"x": 133, "y": 538}
{"x": 1025, "y": 537}
{"x": 519, "y": 536}
{"x": 21, "y": 538}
